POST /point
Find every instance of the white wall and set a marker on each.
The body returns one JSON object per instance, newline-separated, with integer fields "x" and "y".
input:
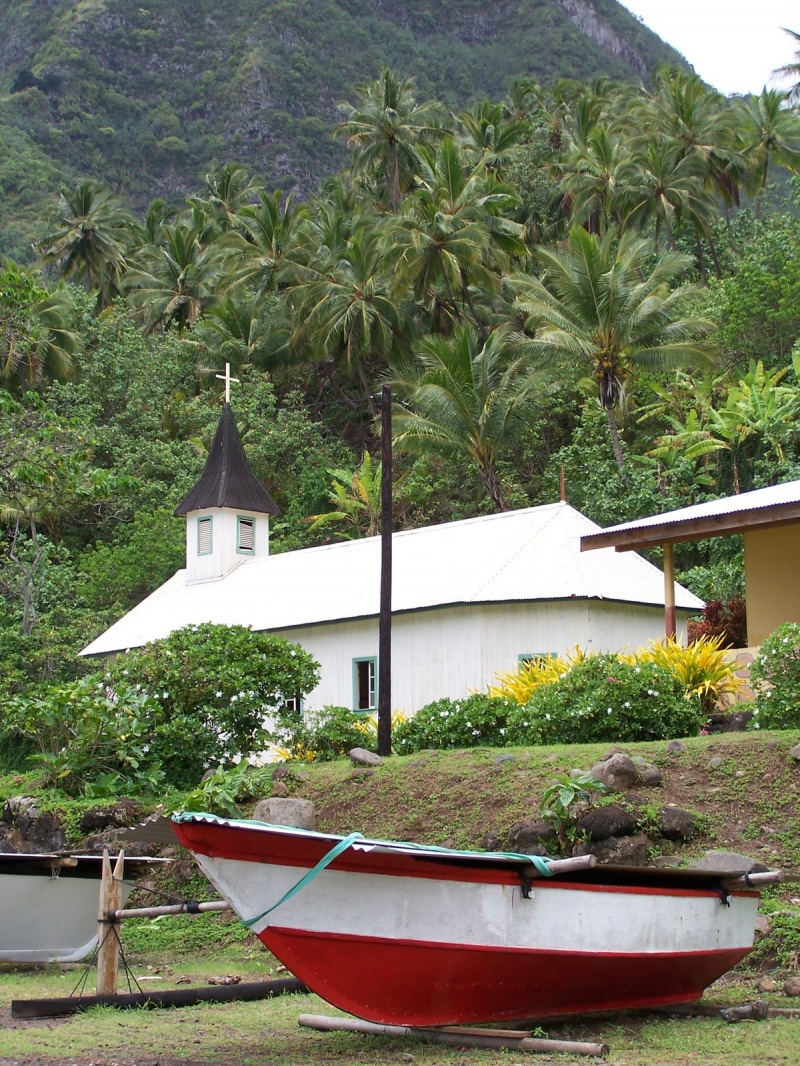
{"x": 453, "y": 651}
{"x": 223, "y": 556}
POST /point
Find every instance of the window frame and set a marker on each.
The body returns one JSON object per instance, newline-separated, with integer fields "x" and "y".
{"x": 372, "y": 683}
{"x": 240, "y": 518}
{"x": 205, "y": 521}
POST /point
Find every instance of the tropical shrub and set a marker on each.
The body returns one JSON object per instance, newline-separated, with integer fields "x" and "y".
{"x": 320, "y": 736}
{"x": 540, "y": 670}
{"x": 85, "y": 730}
{"x": 476, "y": 721}
{"x": 722, "y": 619}
{"x": 702, "y": 668}
{"x": 604, "y": 700}
{"x": 220, "y": 692}
{"x": 562, "y": 798}
{"x": 775, "y": 679}
{"x": 223, "y": 788}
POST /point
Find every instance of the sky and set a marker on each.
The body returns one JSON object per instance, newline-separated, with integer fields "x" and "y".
{"x": 733, "y": 45}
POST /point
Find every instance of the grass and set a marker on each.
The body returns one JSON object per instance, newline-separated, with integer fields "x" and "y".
{"x": 238, "y": 1034}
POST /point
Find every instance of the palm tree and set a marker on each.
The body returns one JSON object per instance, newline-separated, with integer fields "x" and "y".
{"x": 792, "y": 70}
{"x": 466, "y": 398}
{"x": 768, "y": 132}
{"x": 454, "y": 232}
{"x": 598, "y": 303}
{"x": 344, "y": 307}
{"x": 174, "y": 283}
{"x": 592, "y": 181}
{"x": 245, "y": 327}
{"x": 89, "y": 243}
{"x": 490, "y": 136}
{"x": 272, "y": 230}
{"x": 227, "y": 191}
{"x": 36, "y": 338}
{"x": 662, "y": 185}
{"x": 384, "y": 128}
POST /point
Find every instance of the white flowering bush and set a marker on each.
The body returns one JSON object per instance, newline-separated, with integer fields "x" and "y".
{"x": 604, "y": 699}
{"x": 217, "y": 688}
{"x": 475, "y": 721}
{"x": 775, "y": 680}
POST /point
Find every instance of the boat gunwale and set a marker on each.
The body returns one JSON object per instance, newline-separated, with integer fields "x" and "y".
{"x": 604, "y": 877}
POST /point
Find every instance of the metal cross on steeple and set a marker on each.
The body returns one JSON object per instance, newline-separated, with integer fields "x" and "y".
{"x": 226, "y": 377}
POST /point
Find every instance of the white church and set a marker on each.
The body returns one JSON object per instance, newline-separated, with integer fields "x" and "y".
{"x": 470, "y": 599}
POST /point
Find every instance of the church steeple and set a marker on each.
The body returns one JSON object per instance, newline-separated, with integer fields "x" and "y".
{"x": 227, "y": 512}
{"x": 227, "y": 480}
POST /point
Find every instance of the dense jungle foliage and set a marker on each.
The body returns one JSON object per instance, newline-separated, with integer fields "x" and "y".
{"x": 148, "y": 97}
{"x": 594, "y": 277}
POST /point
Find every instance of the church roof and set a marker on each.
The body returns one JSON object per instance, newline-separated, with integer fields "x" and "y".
{"x": 227, "y": 480}
{"x": 518, "y": 556}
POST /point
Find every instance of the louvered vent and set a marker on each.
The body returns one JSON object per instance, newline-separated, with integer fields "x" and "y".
{"x": 203, "y": 536}
{"x": 247, "y": 531}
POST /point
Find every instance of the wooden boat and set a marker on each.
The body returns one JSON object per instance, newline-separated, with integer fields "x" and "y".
{"x": 49, "y": 904}
{"x": 403, "y": 934}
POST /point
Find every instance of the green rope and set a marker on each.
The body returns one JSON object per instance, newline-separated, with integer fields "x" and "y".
{"x": 326, "y": 860}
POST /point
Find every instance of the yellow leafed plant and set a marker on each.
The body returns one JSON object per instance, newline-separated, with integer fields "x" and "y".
{"x": 531, "y": 673}
{"x": 702, "y": 668}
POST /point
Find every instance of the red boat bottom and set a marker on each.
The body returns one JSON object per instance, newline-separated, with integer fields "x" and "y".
{"x": 421, "y": 983}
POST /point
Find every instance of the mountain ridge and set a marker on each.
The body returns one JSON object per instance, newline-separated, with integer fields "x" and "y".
{"x": 148, "y": 99}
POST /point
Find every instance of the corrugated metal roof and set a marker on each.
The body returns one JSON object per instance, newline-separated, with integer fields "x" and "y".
{"x": 226, "y": 480}
{"x": 527, "y": 555}
{"x": 785, "y": 494}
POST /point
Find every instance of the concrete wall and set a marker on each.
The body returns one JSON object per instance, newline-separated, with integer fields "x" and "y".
{"x": 772, "y": 579}
{"x": 457, "y": 650}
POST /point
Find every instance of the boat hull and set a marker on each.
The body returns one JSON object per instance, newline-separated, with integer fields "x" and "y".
{"x": 405, "y": 938}
{"x": 49, "y": 913}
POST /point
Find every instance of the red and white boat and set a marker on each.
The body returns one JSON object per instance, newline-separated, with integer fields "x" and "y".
{"x": 406, "y": 934}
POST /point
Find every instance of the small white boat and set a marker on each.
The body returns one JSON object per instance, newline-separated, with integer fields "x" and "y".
{"x": 49, "y": 904}
{"x": 403, "y": 934}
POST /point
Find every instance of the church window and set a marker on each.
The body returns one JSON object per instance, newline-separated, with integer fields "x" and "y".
{"x": 365, "y": 684}
{"x": 246, "y": 535}
{"x": 204, "y": 544}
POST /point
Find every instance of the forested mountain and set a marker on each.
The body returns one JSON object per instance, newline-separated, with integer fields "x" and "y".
{"x": 147, "y": 97}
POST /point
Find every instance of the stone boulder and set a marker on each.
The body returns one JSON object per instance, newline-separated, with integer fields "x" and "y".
{"x": 362, "y": 757}
{"x": 28, "y": 830}
{"x": 622, "y": 851}
{"x": 728, "y": 862}
{"x": 120, "y": 815}
{"x": 675, "y": 823}
{"x": 530, "y": 838}
{"x": 298, "y": 813}
{"x": 617, "y": 773}
{"x": 600, "y": 823}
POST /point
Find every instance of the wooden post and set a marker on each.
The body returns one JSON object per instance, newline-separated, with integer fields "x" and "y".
{"x": 385, "y": 624}
{"x": 107, "y": 937}
{"x": 669, "y": 593}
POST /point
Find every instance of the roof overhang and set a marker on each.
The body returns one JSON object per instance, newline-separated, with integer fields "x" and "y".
{"x": 674, "y": 529}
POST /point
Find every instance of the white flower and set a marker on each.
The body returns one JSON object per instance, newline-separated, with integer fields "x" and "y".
{"x": 476, "y": 732}
{"x": 219, "y": 693}
{"x": 610, "y": 710}
{"x": 626, "y": 704}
